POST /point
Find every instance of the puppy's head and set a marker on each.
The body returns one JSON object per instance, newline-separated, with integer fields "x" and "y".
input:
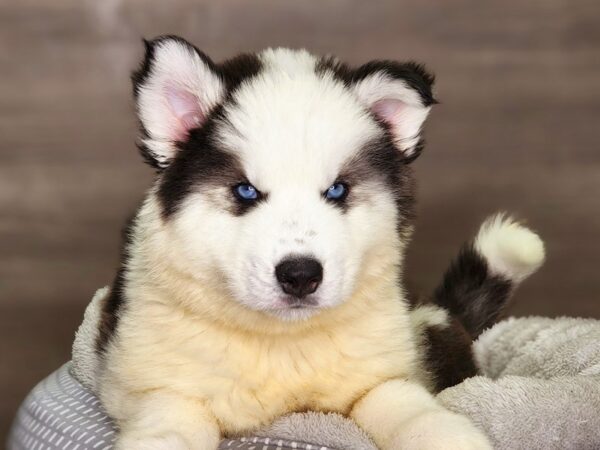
{"x": 283, "y": 173}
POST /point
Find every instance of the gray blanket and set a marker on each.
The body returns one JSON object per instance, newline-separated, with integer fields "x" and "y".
{"x": 540, "y": 389}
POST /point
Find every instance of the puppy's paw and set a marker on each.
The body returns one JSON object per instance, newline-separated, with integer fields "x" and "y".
{"x": 439, "y": 430}
{"x": 166, "y": 441}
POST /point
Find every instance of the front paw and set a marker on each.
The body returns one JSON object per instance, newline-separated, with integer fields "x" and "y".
{"x": 165, "y": 441}
{"x": 437, "y": 430}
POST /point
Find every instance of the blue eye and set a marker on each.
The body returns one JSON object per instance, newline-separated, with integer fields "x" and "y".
{"x": 245, "y": 191}
{"x": 336, "y": 191}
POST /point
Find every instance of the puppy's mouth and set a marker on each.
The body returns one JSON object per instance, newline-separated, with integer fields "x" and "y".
{"x": 298, "y": 306}
{"x": 293, "y": 309}
{"x": 288, "y": 302}
{"x": 309, "y": 301}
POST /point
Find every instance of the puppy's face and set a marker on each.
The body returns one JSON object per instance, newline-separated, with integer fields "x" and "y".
{"x": 280, "y": 173}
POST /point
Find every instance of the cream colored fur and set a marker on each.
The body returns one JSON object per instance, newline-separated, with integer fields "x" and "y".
{"x": 511, "y": 250}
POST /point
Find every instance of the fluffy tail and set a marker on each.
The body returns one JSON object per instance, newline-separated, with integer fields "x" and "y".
{"x": 477, "y": 286}
{"x": 472, "y": 296}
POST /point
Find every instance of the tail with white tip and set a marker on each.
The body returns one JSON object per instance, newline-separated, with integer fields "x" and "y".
{"x": 480, "y": 281}
{"x": 472, "y": 296}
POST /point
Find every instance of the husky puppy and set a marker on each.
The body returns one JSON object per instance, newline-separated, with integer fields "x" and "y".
{"x": 262, "y": 273}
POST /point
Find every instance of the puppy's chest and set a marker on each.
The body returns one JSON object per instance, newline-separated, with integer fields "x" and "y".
{"x": 248, "y": 382}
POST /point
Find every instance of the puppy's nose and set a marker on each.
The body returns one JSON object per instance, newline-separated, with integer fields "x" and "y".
{"x": 299, "y": 276}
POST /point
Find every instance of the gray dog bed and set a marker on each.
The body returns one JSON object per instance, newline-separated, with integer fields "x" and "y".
{"x": 539, "y": 389}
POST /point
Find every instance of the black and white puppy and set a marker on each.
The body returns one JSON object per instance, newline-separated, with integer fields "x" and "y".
{"x": 262, "y": 273}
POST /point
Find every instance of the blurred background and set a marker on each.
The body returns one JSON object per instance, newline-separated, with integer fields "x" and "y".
{"x": 518, "y": 129}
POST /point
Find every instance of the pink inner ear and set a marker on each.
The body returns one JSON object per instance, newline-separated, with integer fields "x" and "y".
{"x": 186, "y": 109}
{"x": 388, "y": 110}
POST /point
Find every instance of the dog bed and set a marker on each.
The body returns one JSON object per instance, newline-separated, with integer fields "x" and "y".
{"x": 539, "y": 389}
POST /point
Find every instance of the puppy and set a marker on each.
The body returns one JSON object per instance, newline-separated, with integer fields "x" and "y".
{"x": 262, "y": 273}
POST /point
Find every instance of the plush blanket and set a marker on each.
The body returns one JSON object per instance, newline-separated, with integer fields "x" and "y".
{"x": 539, "y": 389}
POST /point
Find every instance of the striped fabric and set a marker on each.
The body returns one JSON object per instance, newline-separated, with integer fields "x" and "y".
{"x": 256, "y": 443}
{"x": 60, "y": 413}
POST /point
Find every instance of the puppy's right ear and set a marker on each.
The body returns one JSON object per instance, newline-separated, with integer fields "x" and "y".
{"x": 175, "y": 89}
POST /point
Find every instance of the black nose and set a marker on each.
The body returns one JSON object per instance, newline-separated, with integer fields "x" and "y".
{"x": 299, "y": 276}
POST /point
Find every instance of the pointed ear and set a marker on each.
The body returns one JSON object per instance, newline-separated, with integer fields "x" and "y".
{"x": 175, "y": 89}
{"x": 398, "y": 94}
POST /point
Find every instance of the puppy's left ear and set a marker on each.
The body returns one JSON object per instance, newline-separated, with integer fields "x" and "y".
{"x": 398, "y": 94}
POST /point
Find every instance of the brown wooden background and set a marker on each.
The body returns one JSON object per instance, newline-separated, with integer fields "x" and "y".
{"x": 518, "y": 129}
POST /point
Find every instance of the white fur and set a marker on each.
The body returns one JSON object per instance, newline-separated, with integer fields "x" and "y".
{"x": 511, "y": 250}
{"x": 291, "y": 62}
{"x": 424, "y": 316}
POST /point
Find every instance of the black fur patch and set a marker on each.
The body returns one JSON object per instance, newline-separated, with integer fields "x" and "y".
{"x": 475, "y": 300}
{"x": 239, "y": 69}
{"x": 471, "y": 294}
{"x": 449, "y": 357}
{"x": 201, "y": 162}
{"x": 112, "y": 305}
{"x": 380, "y": 160}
